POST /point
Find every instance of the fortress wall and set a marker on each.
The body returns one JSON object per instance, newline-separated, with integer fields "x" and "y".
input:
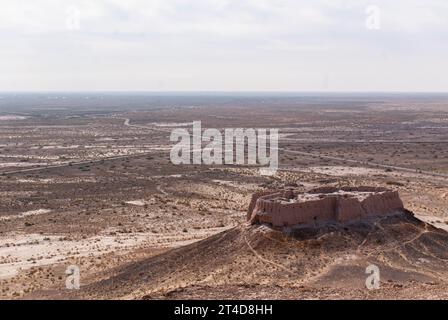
{"x": 259, "y": 207}
{"x": 266, "y": 208}
{"x": 254, "y": 199}
{"x": 324, "y": 190}
{"x": 363, "y": 189}
{"x": 349, "y": 209}
{"x": 305, "y": 212}
{"x": 347, "y": 189}
{"x": 264, "y": 218}
{"x": 382, "y": 203}
{"x": 260, "y": 203}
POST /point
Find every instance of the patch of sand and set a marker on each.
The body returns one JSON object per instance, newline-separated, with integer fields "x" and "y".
{"x": 344, "y": 171}
{"x": 172, "y": 124}
{"x": 25, "y": 214}
{"x": 12, "y": 117}
{"x": 22, "y": 164}
{"x": 136, "y": 202}
{"x": 23, "y": 251}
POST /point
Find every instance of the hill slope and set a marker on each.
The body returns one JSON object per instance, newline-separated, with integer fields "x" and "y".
{"x": 325, "y": 262}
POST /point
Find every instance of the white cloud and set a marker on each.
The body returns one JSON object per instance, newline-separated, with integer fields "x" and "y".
{"x": 223, "y": 45}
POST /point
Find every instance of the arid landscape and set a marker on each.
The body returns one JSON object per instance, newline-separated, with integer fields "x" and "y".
{"x": 86, "y": 180}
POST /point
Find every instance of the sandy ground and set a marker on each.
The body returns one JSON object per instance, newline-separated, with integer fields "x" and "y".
{"x": 23, "y": 251}
{"x": 114, "y": 199}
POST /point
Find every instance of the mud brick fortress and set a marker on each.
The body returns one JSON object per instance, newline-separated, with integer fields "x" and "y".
{"x": 325, "y": 204}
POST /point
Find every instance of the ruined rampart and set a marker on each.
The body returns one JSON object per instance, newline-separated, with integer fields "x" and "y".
{"x": 289, "y": 207}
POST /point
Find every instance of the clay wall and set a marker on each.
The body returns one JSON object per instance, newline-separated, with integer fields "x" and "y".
{"x": 382, "y": 203}
{"x": 265, "y": 208}
{"x": 348, "y": 209}
{"x": 254, "y": 199}
{"x": 305, "y": 212}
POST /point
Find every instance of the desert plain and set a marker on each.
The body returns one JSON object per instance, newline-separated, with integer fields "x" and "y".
{"x": 86, "y": 180}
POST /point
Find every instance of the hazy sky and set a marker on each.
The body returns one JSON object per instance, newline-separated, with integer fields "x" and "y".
{"x": 242, "y": 45}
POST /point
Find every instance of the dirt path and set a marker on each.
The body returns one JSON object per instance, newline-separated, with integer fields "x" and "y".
{"x": 127, "y": 122}
{"x": 77, "y": 163}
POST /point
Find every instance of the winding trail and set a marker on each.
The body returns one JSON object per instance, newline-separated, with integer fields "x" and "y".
{"x": 127, "y": 122}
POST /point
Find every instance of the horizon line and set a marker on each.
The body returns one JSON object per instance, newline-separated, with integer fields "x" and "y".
{"x": 217, "y": 92}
